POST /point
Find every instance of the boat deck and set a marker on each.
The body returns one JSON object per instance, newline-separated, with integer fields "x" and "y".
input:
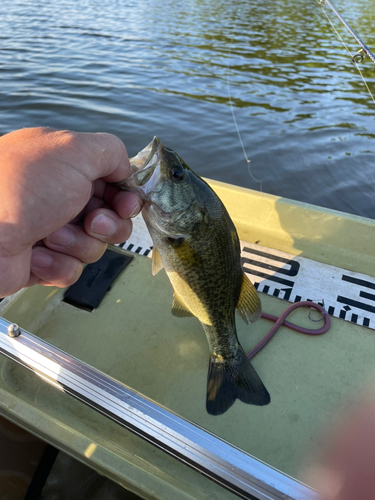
{"x": 133, "y": 337}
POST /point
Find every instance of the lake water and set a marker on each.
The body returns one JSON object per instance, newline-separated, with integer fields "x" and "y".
{"x": 144, "y": 68}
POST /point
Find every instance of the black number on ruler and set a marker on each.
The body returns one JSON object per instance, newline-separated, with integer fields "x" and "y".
{"x": 362, "y": 294}
{"x": 293, "y": 271}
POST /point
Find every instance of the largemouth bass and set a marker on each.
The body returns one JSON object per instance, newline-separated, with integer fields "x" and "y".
{"x": 196, "y": 242}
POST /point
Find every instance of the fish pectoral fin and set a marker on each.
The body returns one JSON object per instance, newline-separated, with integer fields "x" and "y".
{"x": 186, "y": 253}
{"x": 156, "y": 261}
{"x": 179, "y": 309}
{"x": 249, "y": 306}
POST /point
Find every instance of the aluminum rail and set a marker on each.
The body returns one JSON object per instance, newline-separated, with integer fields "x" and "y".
{"x": 216, "y": 459}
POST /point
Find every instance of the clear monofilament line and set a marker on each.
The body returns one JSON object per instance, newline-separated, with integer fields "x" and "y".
{"x": 238, "y": 130}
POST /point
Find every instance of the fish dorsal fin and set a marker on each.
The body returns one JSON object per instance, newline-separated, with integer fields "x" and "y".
{"x": 249, "y": 306}
{"x": 179, "y": 309}
{"x": 156, "y": 261}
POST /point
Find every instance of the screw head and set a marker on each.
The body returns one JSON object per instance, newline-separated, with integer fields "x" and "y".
{"x": 14, "y": 330}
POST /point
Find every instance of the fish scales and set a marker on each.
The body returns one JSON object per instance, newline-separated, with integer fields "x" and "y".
{"x": 197, "y": 243}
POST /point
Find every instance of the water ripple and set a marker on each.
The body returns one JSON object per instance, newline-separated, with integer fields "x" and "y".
{"x": 143, "y": 68}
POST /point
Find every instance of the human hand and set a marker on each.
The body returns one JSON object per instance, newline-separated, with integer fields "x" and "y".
{"x": 58, "y": 209}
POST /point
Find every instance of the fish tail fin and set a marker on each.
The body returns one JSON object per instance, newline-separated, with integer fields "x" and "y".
{"x": 230, "y": 381}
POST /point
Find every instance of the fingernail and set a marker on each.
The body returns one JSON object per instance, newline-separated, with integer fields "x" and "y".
{"x": 40, "y": 258}
{"x": 103, "y": 225}
{"x": 63, "y": 237}
{"x": 135, "y": 210}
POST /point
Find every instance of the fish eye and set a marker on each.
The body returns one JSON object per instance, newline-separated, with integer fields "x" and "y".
{"x": 176, "y": 173}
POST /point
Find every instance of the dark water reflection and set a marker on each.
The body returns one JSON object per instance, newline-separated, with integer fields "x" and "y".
{"x": 138, "y": 69}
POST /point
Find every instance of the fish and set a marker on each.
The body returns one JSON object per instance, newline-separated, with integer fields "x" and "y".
{"x": 196, "y": 242}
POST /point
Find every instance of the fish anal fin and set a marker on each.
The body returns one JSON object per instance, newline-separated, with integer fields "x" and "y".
{"x": 248, "y": 306}
{"x": 156, "y": 261}
{"x": 179, "y": 309}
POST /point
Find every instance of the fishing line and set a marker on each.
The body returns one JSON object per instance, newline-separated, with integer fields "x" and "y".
{"x": 238, "y": 130}
{"x": 359, "y": 55}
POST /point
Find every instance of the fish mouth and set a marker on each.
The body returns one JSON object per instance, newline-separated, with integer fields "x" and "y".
{"x": 144, "y": 157}
{"x": 145, "y": 166}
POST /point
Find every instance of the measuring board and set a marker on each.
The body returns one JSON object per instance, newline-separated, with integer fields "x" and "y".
{"x": 344, "y": 294}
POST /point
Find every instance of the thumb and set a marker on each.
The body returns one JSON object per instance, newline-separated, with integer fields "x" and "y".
{"x": 106, "y": 154}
